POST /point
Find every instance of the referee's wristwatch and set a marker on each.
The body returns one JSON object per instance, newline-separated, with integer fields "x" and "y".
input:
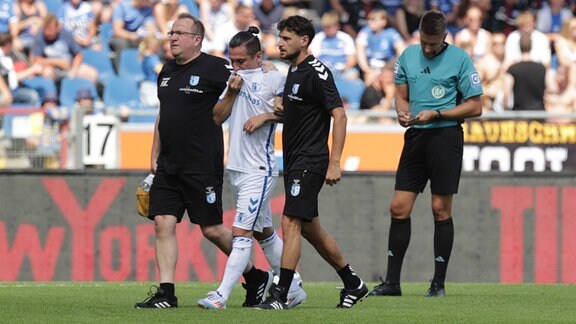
{"x": 438, "y": 115}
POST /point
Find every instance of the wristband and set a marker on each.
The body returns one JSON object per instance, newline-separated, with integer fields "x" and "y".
{"x": 438, "y": 115}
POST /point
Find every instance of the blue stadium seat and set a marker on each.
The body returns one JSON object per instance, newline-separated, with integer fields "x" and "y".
{"x": 69, "y": 88}
{"x": 142, "y": 119}
{"x": 130, "y": 65}
{"x": 54, "y": 6}
{"x": 102, "y": 62}
{"x": 105, "y": 33}
{"x": 351, "y": 90}
{"x": 192, "y": 7}
{"x": 120, "y": 91}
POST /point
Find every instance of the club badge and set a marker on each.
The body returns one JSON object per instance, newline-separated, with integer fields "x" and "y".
{"x": 194, "y": 80}
{"x": 295, "y": 190}
{"x": 210, "y": 195}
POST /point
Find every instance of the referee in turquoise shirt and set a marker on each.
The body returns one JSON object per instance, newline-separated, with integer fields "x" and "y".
{"x": 437, "y": 88}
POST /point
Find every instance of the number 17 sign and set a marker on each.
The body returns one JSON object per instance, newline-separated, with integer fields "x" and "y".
{"x": 100, "y": 141}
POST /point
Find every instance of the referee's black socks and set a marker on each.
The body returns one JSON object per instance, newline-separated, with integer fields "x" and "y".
{"x": 443, "y": 241}
{"x": 398, "y": 240}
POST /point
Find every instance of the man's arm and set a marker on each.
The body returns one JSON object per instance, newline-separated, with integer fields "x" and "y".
{"x": 155, "y": 147}
{"x": 223, "y": 108}
{"x": 403, "y": 105}
{"x": 338, "y": 138}
{"x": 255, "y": 122}
{"x": 508, "y": 90}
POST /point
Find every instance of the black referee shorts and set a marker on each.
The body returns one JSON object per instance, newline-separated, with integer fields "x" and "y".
{"x": 200, "y": 195}
{"x": 301, "y": 188}
{"x": 433, "y": 154}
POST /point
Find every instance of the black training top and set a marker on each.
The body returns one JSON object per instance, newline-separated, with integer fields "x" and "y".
{"x": 309, "y": 97}
{"x": 190, "y": 141}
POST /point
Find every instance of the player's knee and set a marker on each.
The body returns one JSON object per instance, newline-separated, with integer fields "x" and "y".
{"x": 213, "y": 233}
{"x": 399, "y": 210}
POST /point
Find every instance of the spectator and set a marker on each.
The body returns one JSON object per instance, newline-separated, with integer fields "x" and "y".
{"x": 525, "y": 80}
{"x": 9, "y": 22}
{"x": 450, "y": 9}
{"x": 165, "y": 13}
{"x": 335, "y": 48}
{"x": 379, "y": 95}
{"x": 490, "y": 69}
{"x": 551, "y": 17}
{"x": 25, "y": 83}
{"x": 5, "y": 94}
{"x": 541, "y": 51}
{"x": 503, "y": 15}
{"x": 30, "y": 16}
{"x": 377, "y": 45}
{"x": 565, "y": 44}
{"x": 474, "y": 34}
{"x": 46, "y": 129}
{"x": 243, "y": 18}
{"x": 391, "y": 8}
{"x": 77, "y": 17}
{"x": 103, "y": 10}
{"x": 59, "y": 54}
{"x": 268, "y": 15}
{"x": 354, "y": 14}
{"x": 85, "y": 101}
{"x": 214, "y": 13}
{"x": 561, "y": 97}
{"x": 151, "y": 65}
{"x": 408, "y": 17}
{"x": 132, "y": 20}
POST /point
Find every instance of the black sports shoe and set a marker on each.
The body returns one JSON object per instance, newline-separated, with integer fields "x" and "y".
{"x": 349, "y": 298}
{"x": 435, "y": 290}
{"x": 386, "y": 289}
{"x": 255, "y": 292}
{"x": 158, "y": 300}
{"x": 274, "y": 302}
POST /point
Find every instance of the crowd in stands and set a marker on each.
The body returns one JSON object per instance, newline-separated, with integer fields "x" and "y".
{"x": 524, "y": 50}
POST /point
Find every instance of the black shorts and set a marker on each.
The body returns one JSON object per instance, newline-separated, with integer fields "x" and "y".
{"x": 301, "y": 188}
{"x": 200, "y": 195}
{"x": 434, "y": 154}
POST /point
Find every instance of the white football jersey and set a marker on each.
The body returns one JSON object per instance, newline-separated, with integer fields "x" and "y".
{"x": 254, "y": 152}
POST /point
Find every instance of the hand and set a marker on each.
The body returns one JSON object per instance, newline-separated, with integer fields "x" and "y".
{"x": 334, "y": 173}
{"x": 268, "y": 66}
{"x": 235, "y": 83}
{"x": 423, "y": 117}
{"x": 279, "y": 110}
{"x": 404, "y": 118}
{"x": 253, "y": 123}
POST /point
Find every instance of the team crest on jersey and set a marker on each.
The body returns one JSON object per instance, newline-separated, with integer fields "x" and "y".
{"x": 295, "y": 190}
{"x": 194, "y": 80}
{"x": 256, "y": 86}
{"x": 438, "y": 91}
{"x": 295, "y": 87}
{"x": 210, "y": 195}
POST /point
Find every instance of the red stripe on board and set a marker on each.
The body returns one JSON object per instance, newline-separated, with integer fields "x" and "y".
{"x": 569, "y": 235}
{"x": 546, "y": 236}
{"x": 512, "y": 202}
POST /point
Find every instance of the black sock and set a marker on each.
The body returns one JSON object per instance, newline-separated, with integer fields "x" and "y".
{"x": 398, "y": 240}
{"x": 443, "y": 241}
{"x": 253, "y": 276}
{"x": 168, "y": 288}
{"x": 286, "y": 276}
{"x": 349, "y": 277}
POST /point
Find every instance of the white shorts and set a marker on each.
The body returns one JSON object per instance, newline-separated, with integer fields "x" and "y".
{"x": 252, "y": 193}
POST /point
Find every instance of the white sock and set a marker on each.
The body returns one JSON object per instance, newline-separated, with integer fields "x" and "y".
{"x": 237, "y": 261}
{"x": 272, "y": 247}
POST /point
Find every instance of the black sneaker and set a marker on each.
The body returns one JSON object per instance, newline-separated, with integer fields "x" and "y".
{"x": 255, "y": 292}
{"x": 435, "y": 290}
{"x": 274, "y": 302}
{"x": 386, "y": 289}
{"x": 349, "y": 298}
{"x": 158, "y": 300}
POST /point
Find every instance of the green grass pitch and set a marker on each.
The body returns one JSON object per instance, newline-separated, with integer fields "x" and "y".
{"x": 29, "y": 302}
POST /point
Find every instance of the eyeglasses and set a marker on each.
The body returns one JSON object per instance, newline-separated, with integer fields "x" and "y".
{"x": 180, "y": 33}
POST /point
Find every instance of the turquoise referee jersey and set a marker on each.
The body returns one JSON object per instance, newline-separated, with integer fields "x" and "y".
{"x": 437, "y": 83}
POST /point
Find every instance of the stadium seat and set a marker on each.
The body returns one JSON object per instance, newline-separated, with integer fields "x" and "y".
{"x": 100, "y": 61}
{"x": 121, "y": 91}
{"x": 351, "y": 90}
{"x": 192, "y": 7}
{"x": 130, "y": 65}
{"x": 54, "y": 6}
{"x": 69, "y": 88}
{"x": 104, "y": 35}
{"x": 139, "y": 118}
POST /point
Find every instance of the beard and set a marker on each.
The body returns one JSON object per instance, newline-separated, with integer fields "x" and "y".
{"x": 291, "y": 56}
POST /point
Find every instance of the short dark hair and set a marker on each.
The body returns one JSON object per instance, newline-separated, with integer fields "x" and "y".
{"x": 299, "y": 26}
{"x": 433, "y": 23}
{"x": 5, "y": 38}
{"x": 198, "y": 25}
{"x": 247, "y": 38}
{"x": 525, "y": 43}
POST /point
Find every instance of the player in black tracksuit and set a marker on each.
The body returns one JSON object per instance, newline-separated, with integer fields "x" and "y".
{"x": 310, "y": 100}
